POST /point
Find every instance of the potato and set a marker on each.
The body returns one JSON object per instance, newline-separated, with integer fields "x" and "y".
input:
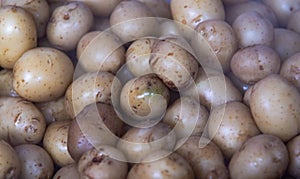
{"x": 54, "y": 110}
{"x": 221, "y": 39}
{"x": 292, "y": 21}
{"x": 274, "y": 104}
{"x": 207, "y": 161}
{"x": 247, "y": 96}
{"x": 97, "y": 124}
{"x": 42, "y": 74}
{"x": 234, "y": 10}
{"x": 6, "y": 81}
{"x": 230, "y": 125}
{"x": 137, "y": 143}
{"x": 130, "y": 20}
{"x": 187, "y": 117}
{"x": 103, "y": 162}
{"x": 213, "y": 88}
{"x": 173, "y": 63}
{"x": 162, "y": 164}
{"x": 35, "y": 162}
{"x": 252, "y": 29}
{"x": 55, "y": 142}
{"x": 138, "y": 56}
{"x": 10, "y": 165}
{"x": 100, "y": 51}
{"x": 283, "y": 10}
{"x": 17, "y": 27}
{"x": 252, "y": 64}
{"x": 290, "y": 70}
{"x": 67, "y": 172}
{"x": 144, "y": 98}
{"x": 90, "y": 88}
{"x": 262, "y": 156}
{"x": 160, "y": 8}
{"x": 192, "y": 12}
{"x": 39, "y": 10}
{"x": 21, "y": 122}
{"x": 67, "y": 24}
{"x": 100, "y": 7}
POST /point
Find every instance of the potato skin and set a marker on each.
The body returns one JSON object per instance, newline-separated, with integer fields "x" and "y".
{"x": 275, "y": 105}
{"x": 293, "y": 147}
{"x": 22, "y": 123}
{"x": 67, "y": 172}
{"x": 262, "y": 156}
{"x": 10, "y": 166}
{"x": 290, "y": 69}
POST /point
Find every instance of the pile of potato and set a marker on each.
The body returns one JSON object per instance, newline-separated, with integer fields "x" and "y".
{"x": 178, "y": 89}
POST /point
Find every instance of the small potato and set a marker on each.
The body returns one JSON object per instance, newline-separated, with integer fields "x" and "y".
{"x": 67, "y": 172}
{"x": 17, "y": 34}
{"x": 6, "y": 81}
{"x": 207, "y": 162}
{"x": 283, "y": 9}
{"x": 191, "y": 13}
{"x": 221, "y": 39}
{"x": 137, "y": 143}
{"x": 90, "y": 88}
{"x": 275, "y": 105}
{"x": 67, "y": 24}
{"x": 262, "y": 156}
{"x": 293, "y": 23}
{"x": 100, "y": 51}
{"x": 252, "y": 64}
{"x": 100, "y": 7}
{"x": 21, "y": 122}
{"x": 234, "y": 10}
{"x": 55, "y": 142}
{"x": 103, "y": 162}
{"x": 35, "y": 162}
{"x": 213, "y": 89}
{"x": 160, "y": 8}
{"x": 39, "y": 10}
{"x": 247, "y": 96}
{"x": 138, "y": 56}
{"x": 230, "y": 125}
{"x": 293, "y": 147}
{"x": 97, "y": 124}
{"x": 290, "y": 69}
{"x": 42, "y": 74}
{"x": 10, "y": 166}
{"x": 54, "y": 110}
{"x": 144, "y": 98}
{"x": 187, "y": 117}
{"x": 130, "y": 20}
{"x": 252, "y": 29}
{"x": 162, "y": 164}
{"x": 173, "y": 63}
{"x": 286, "y": 42}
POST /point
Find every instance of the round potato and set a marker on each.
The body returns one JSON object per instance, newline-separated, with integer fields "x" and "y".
{"x": 21, "y": 122}
{"x": 67, "y": 24}
{"x": 191, "y": 13}
{"x": 160, "y": 8}
{"x": 39, "y": 9}
{"x": 290, "y": 70}
{"x": 294, "y": 160}
{"x": 274, "y": 104}
{"x": 187, "y": 117}
{"x": 230, "y": 125}
{"x": 67, "y": 172}
{"x": 251, "y": 28}
{"x": 103, "y": 162}
{"x": 207, "y": 161}
{"x": 10, "y": 166}
{"x": 90, "y": 88}
{"x": 162, "y": 164}
{"x": 55, "y": 142}
{"x": 137, "y": 143}
{"x": 16, "y": 27}
{"x": 35, "y": 162}
{"x": 252, "y": 64}
{"x": 42, "y": 74}
{"x": 100, "y": 51}
{"x": 262, "y": 156}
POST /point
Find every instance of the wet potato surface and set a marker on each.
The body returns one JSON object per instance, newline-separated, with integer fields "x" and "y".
{"x": 165, "y": 89}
